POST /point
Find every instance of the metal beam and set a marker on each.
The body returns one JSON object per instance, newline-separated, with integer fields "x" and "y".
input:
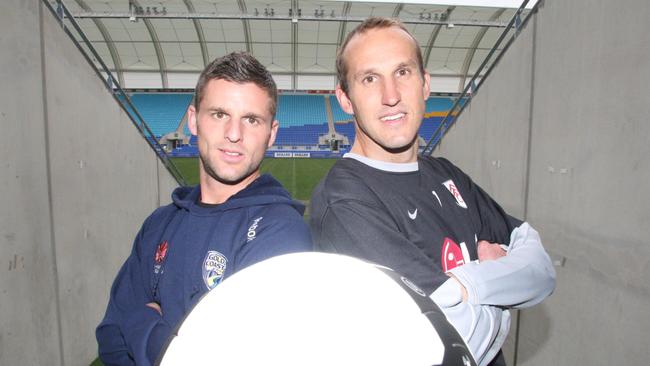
{"x": 294, "y": 44}
{"x": 433, "y": 37}
{"x": 398, "y": 9}
{"x": 343, "y": 26}
{"x": 245, "y": 24}
{"x": 271, "y": 43}
{"x": 472, "y": 50}
{"x": 115, "y": 56}
{"x": 245, "y": 16}
{"x": 159, "y": 53}
{"x": 199, "y": 33}
{"x": 284, "y": 73}
{"x": 342, "y": 29}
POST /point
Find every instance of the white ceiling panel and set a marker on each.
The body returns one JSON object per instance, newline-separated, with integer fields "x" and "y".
{"x": 223, "y": 30}
{"x": 220, "y": 49}
{"x": 372, "y": 9}
{"x": 183, "y": 56}
{"x": 277, "y": 57}
{"x": 175, "y": 30}
{"x": 318, "y": 32}
{"x": 222, "y": 6}
{"x": 270, "y": 31}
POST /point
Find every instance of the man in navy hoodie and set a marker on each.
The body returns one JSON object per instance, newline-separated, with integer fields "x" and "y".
{"x": 235, "y": 217}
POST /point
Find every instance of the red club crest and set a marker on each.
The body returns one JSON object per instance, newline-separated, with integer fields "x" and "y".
{"x": 161, "y": 252}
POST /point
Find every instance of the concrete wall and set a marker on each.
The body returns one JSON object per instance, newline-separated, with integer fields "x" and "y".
{"x": 70, "y": 204}
{"x": 565, "y": 113}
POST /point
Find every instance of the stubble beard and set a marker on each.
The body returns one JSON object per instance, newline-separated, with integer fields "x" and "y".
{"x": 209, "y": 170}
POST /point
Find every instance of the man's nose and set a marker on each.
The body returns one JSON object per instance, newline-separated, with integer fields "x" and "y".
{"x": 390, "y": 93}
{"x": 233, "y": 131}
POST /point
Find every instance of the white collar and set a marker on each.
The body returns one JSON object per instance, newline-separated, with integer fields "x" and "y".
{"x": 384, "y": 165}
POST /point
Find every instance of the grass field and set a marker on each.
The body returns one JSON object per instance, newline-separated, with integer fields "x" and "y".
{"x": 299, "y": 176}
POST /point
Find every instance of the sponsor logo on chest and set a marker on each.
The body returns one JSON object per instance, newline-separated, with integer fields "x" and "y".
{"x": 251, "y": 234}
{"x": 453, "y": 255}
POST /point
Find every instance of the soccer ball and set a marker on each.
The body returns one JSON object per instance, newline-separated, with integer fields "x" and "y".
{"x": 316, "y": 309}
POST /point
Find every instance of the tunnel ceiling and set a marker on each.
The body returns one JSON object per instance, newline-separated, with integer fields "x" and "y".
{"x": 171, "y": 41}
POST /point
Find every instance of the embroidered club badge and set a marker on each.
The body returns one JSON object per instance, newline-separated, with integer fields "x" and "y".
{"x": 161, "y": 252}
{"x": 451, "y": 186}
{"x": 214, "y": 266}
{"x": 159, "y": 257}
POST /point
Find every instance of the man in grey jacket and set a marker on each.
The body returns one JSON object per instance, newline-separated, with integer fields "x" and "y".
{"x": 422, "y": 217}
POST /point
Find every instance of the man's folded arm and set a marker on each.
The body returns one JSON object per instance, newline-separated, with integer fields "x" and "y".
{"x": 483, "y": 327}
{"x": 522, "y": 278}
{"x": 130, "y": 333}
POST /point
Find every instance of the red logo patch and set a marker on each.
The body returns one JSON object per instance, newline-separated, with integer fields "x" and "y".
{"x": 161, "y": 252}
{"x": 452, "y": 255}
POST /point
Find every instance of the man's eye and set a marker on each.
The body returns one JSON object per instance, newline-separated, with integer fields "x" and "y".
{"x": 369, "y": 79}
{"x": 402, "y": 72}
{"x": 252, "y": 120}
{"x": 219, "y": 115}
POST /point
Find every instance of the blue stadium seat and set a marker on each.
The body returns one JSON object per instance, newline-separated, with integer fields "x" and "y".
{"x": 337, "y": 112}
{"x": 300, "y": 110}
{"x": 162, "y": 112}
{"x": 300, "y": 135}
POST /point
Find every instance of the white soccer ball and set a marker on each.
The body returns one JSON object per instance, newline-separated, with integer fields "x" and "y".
{"x": 316, "y": 309}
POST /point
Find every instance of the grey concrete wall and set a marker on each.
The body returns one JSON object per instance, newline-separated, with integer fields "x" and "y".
{"x": 490, "y": 140}
{"x": 588, "y": 171}
{"x": 71, "y": 203}
{"x": 28, "y": 285}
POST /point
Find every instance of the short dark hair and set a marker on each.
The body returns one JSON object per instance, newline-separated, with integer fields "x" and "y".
{"x": 237, "y": 67}
{"x": 366, "y": 25}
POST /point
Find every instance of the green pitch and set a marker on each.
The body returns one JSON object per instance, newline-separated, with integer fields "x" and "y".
{"x": 299, "y": 176}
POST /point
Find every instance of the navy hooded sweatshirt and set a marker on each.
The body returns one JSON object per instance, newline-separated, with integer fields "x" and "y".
{"x": 184, "y": 250}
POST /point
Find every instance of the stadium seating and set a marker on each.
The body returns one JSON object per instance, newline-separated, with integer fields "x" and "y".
{"x": 303, "y": 118}
{"x": 429, "y": 126}
{"x": 161, "y": 111}
{"x": 299, "y": 110}
{"x": 337, "y": 112}
{"x": 300, "y": 135}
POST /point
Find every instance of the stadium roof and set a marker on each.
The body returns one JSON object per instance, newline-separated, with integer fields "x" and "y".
{"x": 164, "y": 44}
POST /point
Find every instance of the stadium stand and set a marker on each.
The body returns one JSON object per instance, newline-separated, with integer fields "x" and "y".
{"x": 337, "y": 112}
{"x": 300, "y": 135}
{"x": 162, "y": 111}
{"x": 303, "y": 120}
{"x": 299, "y": 110}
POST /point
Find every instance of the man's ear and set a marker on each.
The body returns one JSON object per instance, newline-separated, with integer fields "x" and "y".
{"x": 191, "y": 119}
{"x": 426, "y": 88}
{"x": 343, "y": 99}
{"x": 274, "y": 132}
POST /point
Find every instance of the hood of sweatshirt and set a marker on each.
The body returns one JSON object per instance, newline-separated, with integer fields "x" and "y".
{"x": 262, "y": 191}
